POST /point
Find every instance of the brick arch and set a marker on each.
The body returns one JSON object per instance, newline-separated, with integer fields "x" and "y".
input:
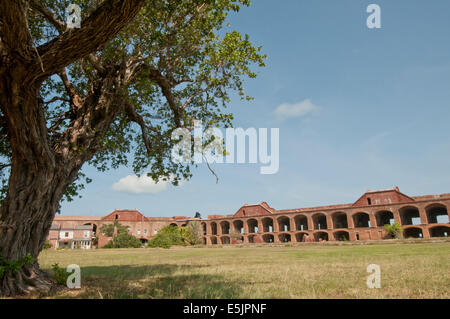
{"x": 301, "y": 220}
{"x": 413, "y": 232}
{"x": 361, "y": 219}
{"x": 203, "y": 224}
{"x": 319, "y": 221}
{"x": 284, "y": 223}
{"x": 341, "y": 235}
{"x": 434, "y": 210}
{"x": 225, "y": 240}
{"x": 301, "y": 236}
{"x": 321, "y": 234}
{"x": 383, "y": 217}
{"x": 213, "y": 228}
{"x": 238, "y": 226}
{"x": 339, "y": 219}
{"x": 224, "y": 227}
{"x": 439, "y": 231}
{"x": 252, "y": 225}
{"x": 268, "y": 238}
{"x": 407, "y": 213}
{"x": 266, "y": 222}
{"x": 284, "y": 237}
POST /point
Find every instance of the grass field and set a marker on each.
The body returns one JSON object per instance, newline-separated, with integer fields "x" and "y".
{"x": 408, "y": 270}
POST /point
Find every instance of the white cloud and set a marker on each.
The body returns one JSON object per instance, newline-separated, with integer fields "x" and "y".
{"x": 286, "y": 110}
{"x": 140, "y": 185}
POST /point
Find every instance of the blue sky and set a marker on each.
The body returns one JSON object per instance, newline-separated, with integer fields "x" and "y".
{"x": 380, "y": 112}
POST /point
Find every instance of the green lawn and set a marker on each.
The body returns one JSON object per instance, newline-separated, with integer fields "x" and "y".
{"x": 408, "y": 270}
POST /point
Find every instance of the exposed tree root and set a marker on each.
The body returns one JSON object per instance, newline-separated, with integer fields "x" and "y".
{"x": 27, "y": 281}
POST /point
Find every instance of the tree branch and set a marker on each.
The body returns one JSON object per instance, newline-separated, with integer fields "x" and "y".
{"x": 48, "y": 14}
{"x": 101, "y": 26}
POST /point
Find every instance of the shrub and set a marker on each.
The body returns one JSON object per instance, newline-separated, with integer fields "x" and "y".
{"x": 123, "y": 240}
{"x": 168, "y": 236}
{"x": 60, "y": 274}
{"x": 47, "y": 245}
{"x": 394, "y": 230}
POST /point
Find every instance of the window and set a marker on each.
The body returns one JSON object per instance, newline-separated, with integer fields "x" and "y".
{"x": 86, "y": 234}
{"x": 369, "y": 201}
{"x": 66, "y": 234}
{"x": 139, "y": 232}
{"x": 155, "y": 231}
{"x": 117, "y": 216}
{"x": 145, "y": 231}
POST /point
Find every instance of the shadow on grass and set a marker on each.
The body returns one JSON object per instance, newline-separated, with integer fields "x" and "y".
{"x": 164, "y": 281}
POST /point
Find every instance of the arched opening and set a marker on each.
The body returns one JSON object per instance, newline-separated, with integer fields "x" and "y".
{"x": 252, "y": 225}
{"x": 320, "y": 221}
{"x": 214, "y": 228}
{"x": 94, "y": 228}
{"x": 361, "y": 220}
{"x": 267, "y": 225}
{"x": 321, "y": 236}
{"x": 384, "y": 217}
{"x": 413, "y": 232}
{"x": 440, "y": 231}
{"x": 339, "y": 220}
{"x": 268, "y": 238}
{"x": 238, "y": 226}
{"x": 301, "y": 222}
{"x": 437, "y": 214}
{"x": 173, "y": 224}
{"x": 225, "y": 240}
{"x": 225, "y": 227}
{"x": 204, "y": 240}
{"x": 409, "y": 215}
{"x": 342, "y": 235}
{"x": 143, "y": 241}
{"x": 284, "y": 238}
{"x": 300, "y": 237}
{"x": 214, "y": 240}
{"x": 284, "y": 223}
{"x": 251, "y": 239}
{"x": 204, "y": 228}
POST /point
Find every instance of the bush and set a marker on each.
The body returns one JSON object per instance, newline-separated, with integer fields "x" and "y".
{"x": 123, "y": 240}
{"x": 168, "y": 236}
{"x": 60, "y": 274}
{"x": 47, "y": 245}
{"x": 395, "y": 230}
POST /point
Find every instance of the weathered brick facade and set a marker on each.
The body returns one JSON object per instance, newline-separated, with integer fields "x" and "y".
{"x": 421, "y": 216}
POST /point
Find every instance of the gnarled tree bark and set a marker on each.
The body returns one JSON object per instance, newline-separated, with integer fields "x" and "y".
{"x": 41, "y": 171}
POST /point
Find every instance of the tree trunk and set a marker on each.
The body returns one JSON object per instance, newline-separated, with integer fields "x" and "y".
{"x": 37, "y": 182}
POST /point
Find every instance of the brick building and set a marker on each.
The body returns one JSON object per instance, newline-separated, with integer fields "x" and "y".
{"x": 420, "y": 217}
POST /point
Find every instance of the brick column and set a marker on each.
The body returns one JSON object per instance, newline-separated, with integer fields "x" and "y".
{"x": 373, "y": 220}
{"x": 329, "y": 222}
{"x": 310, "y": 222}
{"x": 397, "y": 218}
{"x": 246, "y": 231}
{"x": 291, "y": 224}
{"x": 350, "y": 221}
{"x": 423, "y": 216}
{"x": 208, "y": 229}
{"x": 260, "y": 226}
{"x": 275, "y": 226}
{"x": 425, "y": 232}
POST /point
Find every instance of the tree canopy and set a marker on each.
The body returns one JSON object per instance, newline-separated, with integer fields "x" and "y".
{"x": 171, "y": 65}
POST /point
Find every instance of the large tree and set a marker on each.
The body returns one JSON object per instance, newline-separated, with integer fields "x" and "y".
{"x": 106, "y": 93}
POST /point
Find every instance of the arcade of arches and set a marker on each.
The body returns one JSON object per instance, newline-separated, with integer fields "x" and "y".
{"x": 420, "y": 217}
{"x": 426, "y": 217}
